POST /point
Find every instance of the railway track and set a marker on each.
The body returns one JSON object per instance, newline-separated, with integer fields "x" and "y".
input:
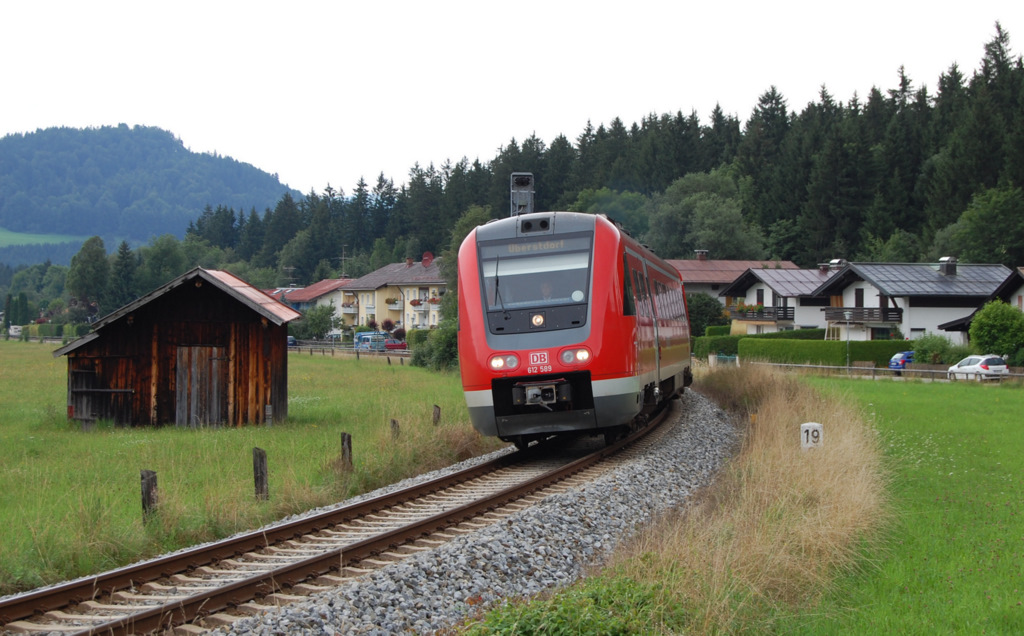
{"x": 213, "y": 585}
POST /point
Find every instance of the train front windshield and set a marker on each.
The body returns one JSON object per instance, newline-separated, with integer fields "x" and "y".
{"x": 523, "y": 274}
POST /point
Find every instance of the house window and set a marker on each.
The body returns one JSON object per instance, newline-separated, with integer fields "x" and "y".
{"x": 858, "y": 297}
{"x": 760, "y": 297}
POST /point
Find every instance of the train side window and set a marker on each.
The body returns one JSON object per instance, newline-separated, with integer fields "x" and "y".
{"x": 628, "y": 306}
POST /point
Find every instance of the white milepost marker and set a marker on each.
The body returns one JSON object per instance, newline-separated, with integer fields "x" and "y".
{"x": 810, "y": 435}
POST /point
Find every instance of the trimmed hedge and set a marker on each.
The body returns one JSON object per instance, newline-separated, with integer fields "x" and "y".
{"x": 717, "y": 330}
{"x": 45, "y": 330}
{"x": 729, "y": 345}
{"x": 829, "y": 353}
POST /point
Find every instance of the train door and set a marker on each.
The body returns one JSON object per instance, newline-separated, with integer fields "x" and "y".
{"x": 648, "y": 355}
{"x": 653, "y": 312}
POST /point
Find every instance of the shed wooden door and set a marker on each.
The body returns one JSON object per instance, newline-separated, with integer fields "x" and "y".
{"x": 201, "y": 385}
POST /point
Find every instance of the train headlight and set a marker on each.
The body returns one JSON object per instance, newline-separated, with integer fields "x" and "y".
{"x": 575, "y": 356}
{"x": 537, "y": 320}
{"x": 505, "y": 362}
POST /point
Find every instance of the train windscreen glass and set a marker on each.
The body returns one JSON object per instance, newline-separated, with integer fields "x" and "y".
{"x": 536, "y": 273}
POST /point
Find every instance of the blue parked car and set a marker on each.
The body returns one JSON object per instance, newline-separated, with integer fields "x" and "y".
{"x": 899, "y": 361}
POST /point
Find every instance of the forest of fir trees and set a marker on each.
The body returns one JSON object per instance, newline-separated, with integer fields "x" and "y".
{"x": 908, "y": 174}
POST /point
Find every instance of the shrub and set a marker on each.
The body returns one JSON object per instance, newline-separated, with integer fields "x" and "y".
{"x": 932, "y": 348}
{"x": 825, "y": 352}
{"x": 416, "y": 336}
{"x": 728, "y": 345}
{"x": 998, "y": 328}
{"x": 440, "y": 350}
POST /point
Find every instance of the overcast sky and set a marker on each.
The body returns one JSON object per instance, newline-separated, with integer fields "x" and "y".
{"x": 327, "y": 92}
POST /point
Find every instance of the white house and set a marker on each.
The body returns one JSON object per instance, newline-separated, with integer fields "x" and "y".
{"x": 764, "y": 300}
{"x": 877, "y": 301}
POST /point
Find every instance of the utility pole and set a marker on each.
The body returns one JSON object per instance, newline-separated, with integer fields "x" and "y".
{"x": 342, "y": 258}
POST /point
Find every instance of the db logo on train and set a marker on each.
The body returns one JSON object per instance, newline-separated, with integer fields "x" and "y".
{"x": 539, "y": 362}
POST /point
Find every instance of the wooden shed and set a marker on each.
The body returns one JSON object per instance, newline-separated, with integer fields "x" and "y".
{"x": 205, "y": 349}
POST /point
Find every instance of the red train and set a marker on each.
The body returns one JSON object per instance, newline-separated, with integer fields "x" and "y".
{"x": 566, "y": 325}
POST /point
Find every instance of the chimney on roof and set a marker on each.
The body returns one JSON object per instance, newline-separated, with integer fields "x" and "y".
{"x": 408, "y": 261}
{"x": 702, "y": 255}
{"x": 836, "y": 263}
{"x": 947, "y": 266}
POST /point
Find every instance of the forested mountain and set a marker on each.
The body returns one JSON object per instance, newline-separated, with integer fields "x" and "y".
{"x": 905, "y": 174}
{"x": 119, "y": 182}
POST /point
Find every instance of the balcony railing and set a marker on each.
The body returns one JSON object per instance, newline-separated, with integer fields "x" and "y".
{"x": 768, "y": 313}
{"x": 349, "y": 310}
{"x": 864, "y": 314}
{"x": 395, "y": 306}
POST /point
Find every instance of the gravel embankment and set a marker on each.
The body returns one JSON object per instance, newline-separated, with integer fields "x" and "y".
{"x": 543, "y": 547}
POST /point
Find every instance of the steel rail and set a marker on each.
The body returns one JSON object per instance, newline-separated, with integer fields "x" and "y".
{"x": 181, "y": 611}
{"x": 58, "y": 596}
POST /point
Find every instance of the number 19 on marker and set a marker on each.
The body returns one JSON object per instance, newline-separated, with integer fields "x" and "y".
{"x": 810, "y": 435}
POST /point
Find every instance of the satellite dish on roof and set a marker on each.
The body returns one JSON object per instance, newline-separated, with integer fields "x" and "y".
{"x": 428, "y": 258}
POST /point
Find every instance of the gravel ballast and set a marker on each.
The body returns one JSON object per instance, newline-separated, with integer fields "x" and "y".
{"x": 546, "y": 546}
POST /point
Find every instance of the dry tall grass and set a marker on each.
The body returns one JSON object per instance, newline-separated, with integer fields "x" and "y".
{"x": 779, "y": 522}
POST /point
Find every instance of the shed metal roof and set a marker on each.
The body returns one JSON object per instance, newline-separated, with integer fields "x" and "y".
{"x": 233, "y": 286}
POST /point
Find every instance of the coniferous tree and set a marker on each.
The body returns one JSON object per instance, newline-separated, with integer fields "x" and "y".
{"x": 280, "y": 226}
{"x": 760, "y": 157}
{"x": 383, "y": 199}
{"x": 122, "y": 278}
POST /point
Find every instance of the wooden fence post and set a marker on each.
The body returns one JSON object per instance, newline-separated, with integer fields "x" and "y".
{"x": 149, "y": 494}
{"x": 259, "y": 470}
{"x": 437, "y": 414}
{"x": 346, "y": 451}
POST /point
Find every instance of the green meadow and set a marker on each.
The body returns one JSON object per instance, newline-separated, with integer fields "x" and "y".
{"x": 71, "y": 500}
{"x": 8, "y": 238}
{"x": 907, "y": 521}
{"x": 952, "y": 558}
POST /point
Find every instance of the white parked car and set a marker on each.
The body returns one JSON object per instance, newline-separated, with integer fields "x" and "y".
{"x": 986, "y": 367}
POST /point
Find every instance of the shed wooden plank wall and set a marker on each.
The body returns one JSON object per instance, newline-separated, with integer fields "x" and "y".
{"x": 131, "y": 374}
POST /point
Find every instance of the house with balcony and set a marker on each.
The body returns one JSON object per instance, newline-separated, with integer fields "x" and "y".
{"x": 879, "y": 301}
{"x": 704, "y": 275}
{"x": 408, "y": 294}
{"x": 764, "y": 300}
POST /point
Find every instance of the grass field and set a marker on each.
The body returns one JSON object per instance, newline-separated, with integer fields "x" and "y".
{"x": 785, "y": 542}
{"x": 8, "y": 238}
{"x": 953, "y": 559}
{"x": 71, "y": 501}
{"x": 768, "y": 550}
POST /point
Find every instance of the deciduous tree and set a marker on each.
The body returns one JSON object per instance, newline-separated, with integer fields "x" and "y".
{"x": 998, "y": 328}
{"x": 89, "y": 272}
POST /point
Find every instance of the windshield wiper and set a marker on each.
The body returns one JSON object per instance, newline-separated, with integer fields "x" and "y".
{"x": 497, "y": 292}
